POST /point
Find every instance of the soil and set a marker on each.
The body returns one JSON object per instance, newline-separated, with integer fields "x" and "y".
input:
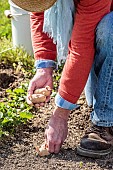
{"x": 17, "y": 152}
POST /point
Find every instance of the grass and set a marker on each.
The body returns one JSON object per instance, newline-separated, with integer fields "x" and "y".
{"x": 5, "y": 23}
{"x": 17, "y": 55}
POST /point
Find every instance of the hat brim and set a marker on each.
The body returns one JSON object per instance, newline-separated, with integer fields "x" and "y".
{"x": 34, "y": 5}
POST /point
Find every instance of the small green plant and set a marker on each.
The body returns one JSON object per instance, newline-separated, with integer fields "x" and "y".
{"x": 14, "y": 110}
{"x": 81, "y": 164}
{"x": 16, "y": 56}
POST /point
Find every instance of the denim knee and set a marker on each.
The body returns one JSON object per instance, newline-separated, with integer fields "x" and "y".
{"x": 104, "y": 35}
{"x": 103, "y": 41}
{"x": 103, "y": 50}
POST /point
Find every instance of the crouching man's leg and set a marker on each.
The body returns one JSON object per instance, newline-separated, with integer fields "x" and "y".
{"x": 98, "y": 140}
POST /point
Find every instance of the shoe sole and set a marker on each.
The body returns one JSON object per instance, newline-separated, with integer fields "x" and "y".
{"x": 93, "y": 154}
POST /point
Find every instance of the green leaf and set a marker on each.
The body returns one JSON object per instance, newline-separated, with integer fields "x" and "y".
{"x": 19, "y": 90}
{"x": 8, "y": 91}
{"x": 1, "y": 133}
{"x": 21, "y": 99}
{"x": 22, "y": 105}
{"x": 53, "y": 94}
{"x": 6, "y": 120}
{"x": 1, "y": 115}
{"x": 2, "y": 105}
{"x": 26, "y": 115}
{"x": 81, "y": 164}
{"x": 6, "y": 133}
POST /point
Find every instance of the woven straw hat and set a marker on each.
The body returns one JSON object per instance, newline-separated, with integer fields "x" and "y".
{"x": 34, "y": 5}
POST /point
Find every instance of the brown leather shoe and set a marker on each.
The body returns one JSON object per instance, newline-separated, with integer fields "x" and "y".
{"x": 97, "y": 142}
{"x": 111, "y": 130}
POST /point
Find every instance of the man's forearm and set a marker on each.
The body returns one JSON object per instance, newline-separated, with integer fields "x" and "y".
{"x": 81, "y": 48}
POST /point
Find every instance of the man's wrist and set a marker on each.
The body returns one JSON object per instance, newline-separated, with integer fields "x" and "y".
{"x": 61, "y": 113}
{"x": 45, "y": 70}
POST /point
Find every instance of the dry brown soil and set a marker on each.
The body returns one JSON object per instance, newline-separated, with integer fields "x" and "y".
{"x": 18, "y": 153}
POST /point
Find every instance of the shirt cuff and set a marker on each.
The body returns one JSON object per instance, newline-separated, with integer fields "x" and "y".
{"x": 45, "y": 64}
{"x": 60, "y": 102}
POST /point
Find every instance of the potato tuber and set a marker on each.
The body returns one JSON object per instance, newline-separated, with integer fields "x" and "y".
{"x": 37, "y": 98}
{"x": 45, "y": 91}
{"x": 42, "y": 150}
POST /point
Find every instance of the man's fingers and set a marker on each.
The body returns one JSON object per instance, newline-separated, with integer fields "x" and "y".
{"x": 28, "y": 100}
{"x": 57, "y": 148}
{"x": 38, "y": 105}
{"x": 50, "y": 147}
{"x": 47, "y": 99}
{"x": 30, "y": 103}
{"x": 31, "y": 87}
{"x": 42, "y": 104}
{"x": 48, "y": 142}
{"x": 53, "y": 148}
{"x": 30, "y": 92}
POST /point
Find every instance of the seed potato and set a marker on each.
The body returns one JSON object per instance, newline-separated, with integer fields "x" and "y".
{"x": 46, "y": 91}
{"x": 42, "y": 150}
{"x": 37, "y": 98}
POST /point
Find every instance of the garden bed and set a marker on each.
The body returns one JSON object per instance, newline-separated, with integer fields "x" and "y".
{"x": 17, "y": 151}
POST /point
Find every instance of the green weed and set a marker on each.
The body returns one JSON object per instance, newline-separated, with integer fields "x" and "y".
{"x": 14, "y": 110}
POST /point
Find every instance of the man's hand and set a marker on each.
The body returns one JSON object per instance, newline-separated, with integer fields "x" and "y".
{"x": 42, "y": 78}
{"x": 57, "y": 129}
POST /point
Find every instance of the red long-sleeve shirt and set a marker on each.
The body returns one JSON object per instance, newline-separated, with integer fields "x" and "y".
{"x": 81, "y": 45}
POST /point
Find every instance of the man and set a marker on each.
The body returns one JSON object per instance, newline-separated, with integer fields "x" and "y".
{"x": 98, "y": 140}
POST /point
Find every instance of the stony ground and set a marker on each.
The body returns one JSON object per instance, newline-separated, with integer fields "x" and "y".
{"x": 18, "y": 152}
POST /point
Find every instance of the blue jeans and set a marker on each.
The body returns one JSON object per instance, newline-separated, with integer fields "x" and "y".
{"x": 99, "y": 86}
